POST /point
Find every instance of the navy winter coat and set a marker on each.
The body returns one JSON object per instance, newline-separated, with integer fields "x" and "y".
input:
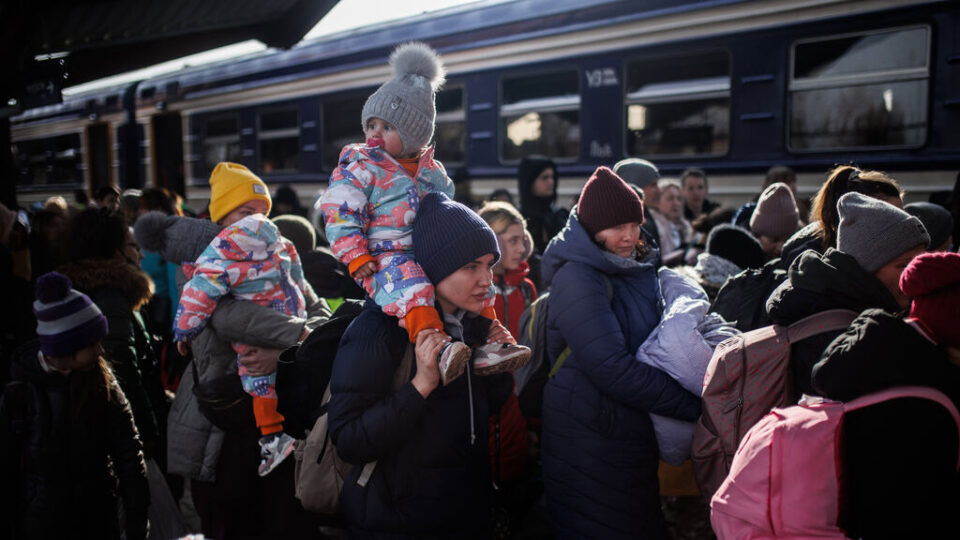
{"x": 599, "y": 450}
{"x": 432, "y": 478}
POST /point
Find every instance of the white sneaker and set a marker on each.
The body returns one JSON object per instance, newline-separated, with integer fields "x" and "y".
{"x": 451, "y": 361}
{"x": 494, "y": 358}
{"x": 274, "y": 448}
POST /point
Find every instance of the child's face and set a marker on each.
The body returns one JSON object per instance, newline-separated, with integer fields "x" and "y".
{"x": 381, "y": 133}
{"x": 249, "y": 208}
{"x": 512, "y": 249}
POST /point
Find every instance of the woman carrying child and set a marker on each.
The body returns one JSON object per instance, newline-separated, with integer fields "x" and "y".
{"x": 432, "y": 476}
{"x": 374, "y": 197}
{"x": 599, "y": 450}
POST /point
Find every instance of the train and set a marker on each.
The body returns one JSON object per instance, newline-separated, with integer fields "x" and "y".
{"x": 730, "y": 86}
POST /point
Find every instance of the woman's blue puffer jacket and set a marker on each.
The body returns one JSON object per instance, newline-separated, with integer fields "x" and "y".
{"x": 599, "y": 449}
{"x": 432, "y": 479}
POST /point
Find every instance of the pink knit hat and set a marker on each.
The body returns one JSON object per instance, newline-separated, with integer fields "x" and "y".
{"x": 933, "y": 280}
{"x": 776, "y": 215}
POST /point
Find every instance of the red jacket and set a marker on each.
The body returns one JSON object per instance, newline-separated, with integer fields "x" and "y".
{"x": 514, "y": 293}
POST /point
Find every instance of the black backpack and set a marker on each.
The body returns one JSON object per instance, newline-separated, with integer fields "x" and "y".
{"x": 743, "y": 298}
{"x": 303, "y": 371}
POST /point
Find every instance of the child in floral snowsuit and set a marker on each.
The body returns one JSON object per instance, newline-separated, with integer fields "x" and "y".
{"x": 373, "y": 198}
{"x": 252, "y": 261}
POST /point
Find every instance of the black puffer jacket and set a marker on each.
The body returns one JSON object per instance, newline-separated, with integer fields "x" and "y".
{"x": 76, "y": 452}
{"x": 544, "y": 219}
{"x": 900, "y": 456}
{"x": 432, "y": 479}
{"x": 120, "y": 289}
{"x": 819, "y": 282}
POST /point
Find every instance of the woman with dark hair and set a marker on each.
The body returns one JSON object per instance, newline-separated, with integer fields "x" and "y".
{"x": 432, "y": 474}
{"x": 600, "y": 454}
{"x": 105, "y": 264}
{"x": 537, "y": 182}
{"x": 821, "y": 232}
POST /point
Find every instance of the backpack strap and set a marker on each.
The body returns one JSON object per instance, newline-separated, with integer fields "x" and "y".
{"x": 400, "y": 378}
{"x": 818, "y": 323}
{"x": 566, "y": 352}
{"x": 922, "y": 392}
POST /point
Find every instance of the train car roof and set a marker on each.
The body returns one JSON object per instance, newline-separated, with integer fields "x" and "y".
{"x": 464, "y": 27}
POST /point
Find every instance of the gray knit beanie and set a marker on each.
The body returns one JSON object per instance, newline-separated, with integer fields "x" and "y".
{"x": 407, "y": 100}
{"x": 874, "y": 232}
{"x": 638, "y": 172}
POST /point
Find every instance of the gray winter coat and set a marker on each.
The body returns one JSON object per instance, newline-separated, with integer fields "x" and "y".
{"x": 193, "y": 442}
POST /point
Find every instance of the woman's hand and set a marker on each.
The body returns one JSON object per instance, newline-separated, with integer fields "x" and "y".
{"x": 183, "y": 347}
{"x": 429, "y": 344}
{"x": 499, "y": 334}
{"x": 260, "y": 360}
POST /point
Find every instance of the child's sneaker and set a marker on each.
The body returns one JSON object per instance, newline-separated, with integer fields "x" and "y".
{"x": 452, "y": 360}
{"x": 494, "y": 358}
{"x": 274, "y": 448}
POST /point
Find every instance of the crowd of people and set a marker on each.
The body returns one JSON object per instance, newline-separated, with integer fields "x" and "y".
{"x": 510, "y": 371}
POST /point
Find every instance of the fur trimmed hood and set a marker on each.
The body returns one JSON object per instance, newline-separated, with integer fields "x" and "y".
{"x": 88, "y": 275}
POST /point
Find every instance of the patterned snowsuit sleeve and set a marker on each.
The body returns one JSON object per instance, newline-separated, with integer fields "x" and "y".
{"x": 219, "y": 269}
{"x": 344, "y": 207}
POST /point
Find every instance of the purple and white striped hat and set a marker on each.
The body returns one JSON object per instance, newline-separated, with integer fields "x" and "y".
{"x": 67, "y": 320}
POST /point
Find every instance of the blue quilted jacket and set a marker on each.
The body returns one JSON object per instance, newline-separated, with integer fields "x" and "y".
{"x": 599, "y": 449}
{"x": 432, "y": 479}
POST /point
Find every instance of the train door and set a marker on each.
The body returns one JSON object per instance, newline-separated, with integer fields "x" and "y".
{"x": 98, "y": 157}
{"x": 168, "y": 152}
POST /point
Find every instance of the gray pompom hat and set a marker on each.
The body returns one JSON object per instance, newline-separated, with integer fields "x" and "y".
{"x": 407, "y": 100}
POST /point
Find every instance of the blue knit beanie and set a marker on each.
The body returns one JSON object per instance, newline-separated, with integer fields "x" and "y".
{"x": 448, "y": 235}
{"x": 67, "y": 320}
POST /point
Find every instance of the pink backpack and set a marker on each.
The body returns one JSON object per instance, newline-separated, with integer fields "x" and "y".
{"x": 748, "y": 376}
{"x": 784, "y": 479}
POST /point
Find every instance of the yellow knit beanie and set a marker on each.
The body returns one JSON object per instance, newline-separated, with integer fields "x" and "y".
{"x": 231, "y": 185}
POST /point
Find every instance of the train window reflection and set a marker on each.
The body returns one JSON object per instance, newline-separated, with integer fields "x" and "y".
{"x": 678, "y": 106}
{"x": 450, "y": 135}
{"x": 865, "y": 90}
{"x": 341, "y": 126}
{"x": 279, "y": 140}
{"x": 221, "y": 141}
{"x": 54, "y": 161}
{"x": 540, "y": 114}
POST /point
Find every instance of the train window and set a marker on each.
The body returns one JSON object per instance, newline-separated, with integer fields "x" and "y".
{"x": 450, "y": 135}
{"x": 54, "y": 161}
{"x": 341, "y": 126}
{"x": 864, "y": 90}
{"x": 221, "y": 141}
{"x": 678, "y": 106}
{"x": 540, "y": 114}
{"x": 279, "y": 140}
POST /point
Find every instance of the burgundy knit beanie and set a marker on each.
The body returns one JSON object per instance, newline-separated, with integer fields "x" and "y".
{"x": 607, "y": 201}
{"x": 933, "y": 280}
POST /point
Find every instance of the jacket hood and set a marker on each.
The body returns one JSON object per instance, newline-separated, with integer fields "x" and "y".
{"x": 880, "y": 350}
{"x": 527, "y": 172}
{"x": 806, "y": 238}
{"x": 832, "y": 280}
{"x": 573, "y": 244}
{"x": 89, "y": 275}
{"x": 177, "y": 239}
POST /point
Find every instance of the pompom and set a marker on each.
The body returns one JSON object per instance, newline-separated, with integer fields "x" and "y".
{"x": 150, "y": 231}
{"x": 52, "y": 287}
{"x": 417, "y": 58}
{"x": 930, "y": 272}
